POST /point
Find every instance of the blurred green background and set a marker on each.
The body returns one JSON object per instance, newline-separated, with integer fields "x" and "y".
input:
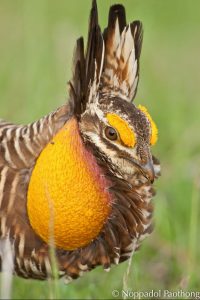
{"x": 37, "y": 38}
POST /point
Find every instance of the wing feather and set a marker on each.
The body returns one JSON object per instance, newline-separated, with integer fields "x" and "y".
{"x": 21, "y": 145}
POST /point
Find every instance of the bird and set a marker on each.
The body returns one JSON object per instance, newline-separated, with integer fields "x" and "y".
{"x": 80, "y": 179}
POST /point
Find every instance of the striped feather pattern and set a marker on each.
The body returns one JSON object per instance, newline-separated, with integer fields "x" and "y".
{"x": 110, "y": 66}
{"x": 19, "y": 148}
{"x": 20, "y": 145}
{"x": 113, "y": 70}
{"x": 122, "y": 51}
{"x": 129, "y": 223}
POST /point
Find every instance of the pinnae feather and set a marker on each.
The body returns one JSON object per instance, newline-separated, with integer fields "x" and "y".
{"x": 110, "y": 64}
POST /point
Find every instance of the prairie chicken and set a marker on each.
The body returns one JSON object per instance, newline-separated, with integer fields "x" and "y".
{"x": 80, "y": 179}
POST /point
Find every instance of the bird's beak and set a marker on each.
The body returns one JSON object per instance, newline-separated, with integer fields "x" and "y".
{"x": 148, "y": 171}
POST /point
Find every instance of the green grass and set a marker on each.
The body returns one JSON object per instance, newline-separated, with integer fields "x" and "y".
{"x": 37, "y": 39}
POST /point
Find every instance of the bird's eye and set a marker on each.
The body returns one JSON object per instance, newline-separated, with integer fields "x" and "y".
{"x": 111, "y": 133}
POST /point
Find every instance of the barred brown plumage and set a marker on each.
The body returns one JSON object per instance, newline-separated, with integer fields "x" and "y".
{"x": 113, "y": 178}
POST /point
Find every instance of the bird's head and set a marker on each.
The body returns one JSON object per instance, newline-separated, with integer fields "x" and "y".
{"x": 123, "y": 134}
{"x": 103, "y": 87}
